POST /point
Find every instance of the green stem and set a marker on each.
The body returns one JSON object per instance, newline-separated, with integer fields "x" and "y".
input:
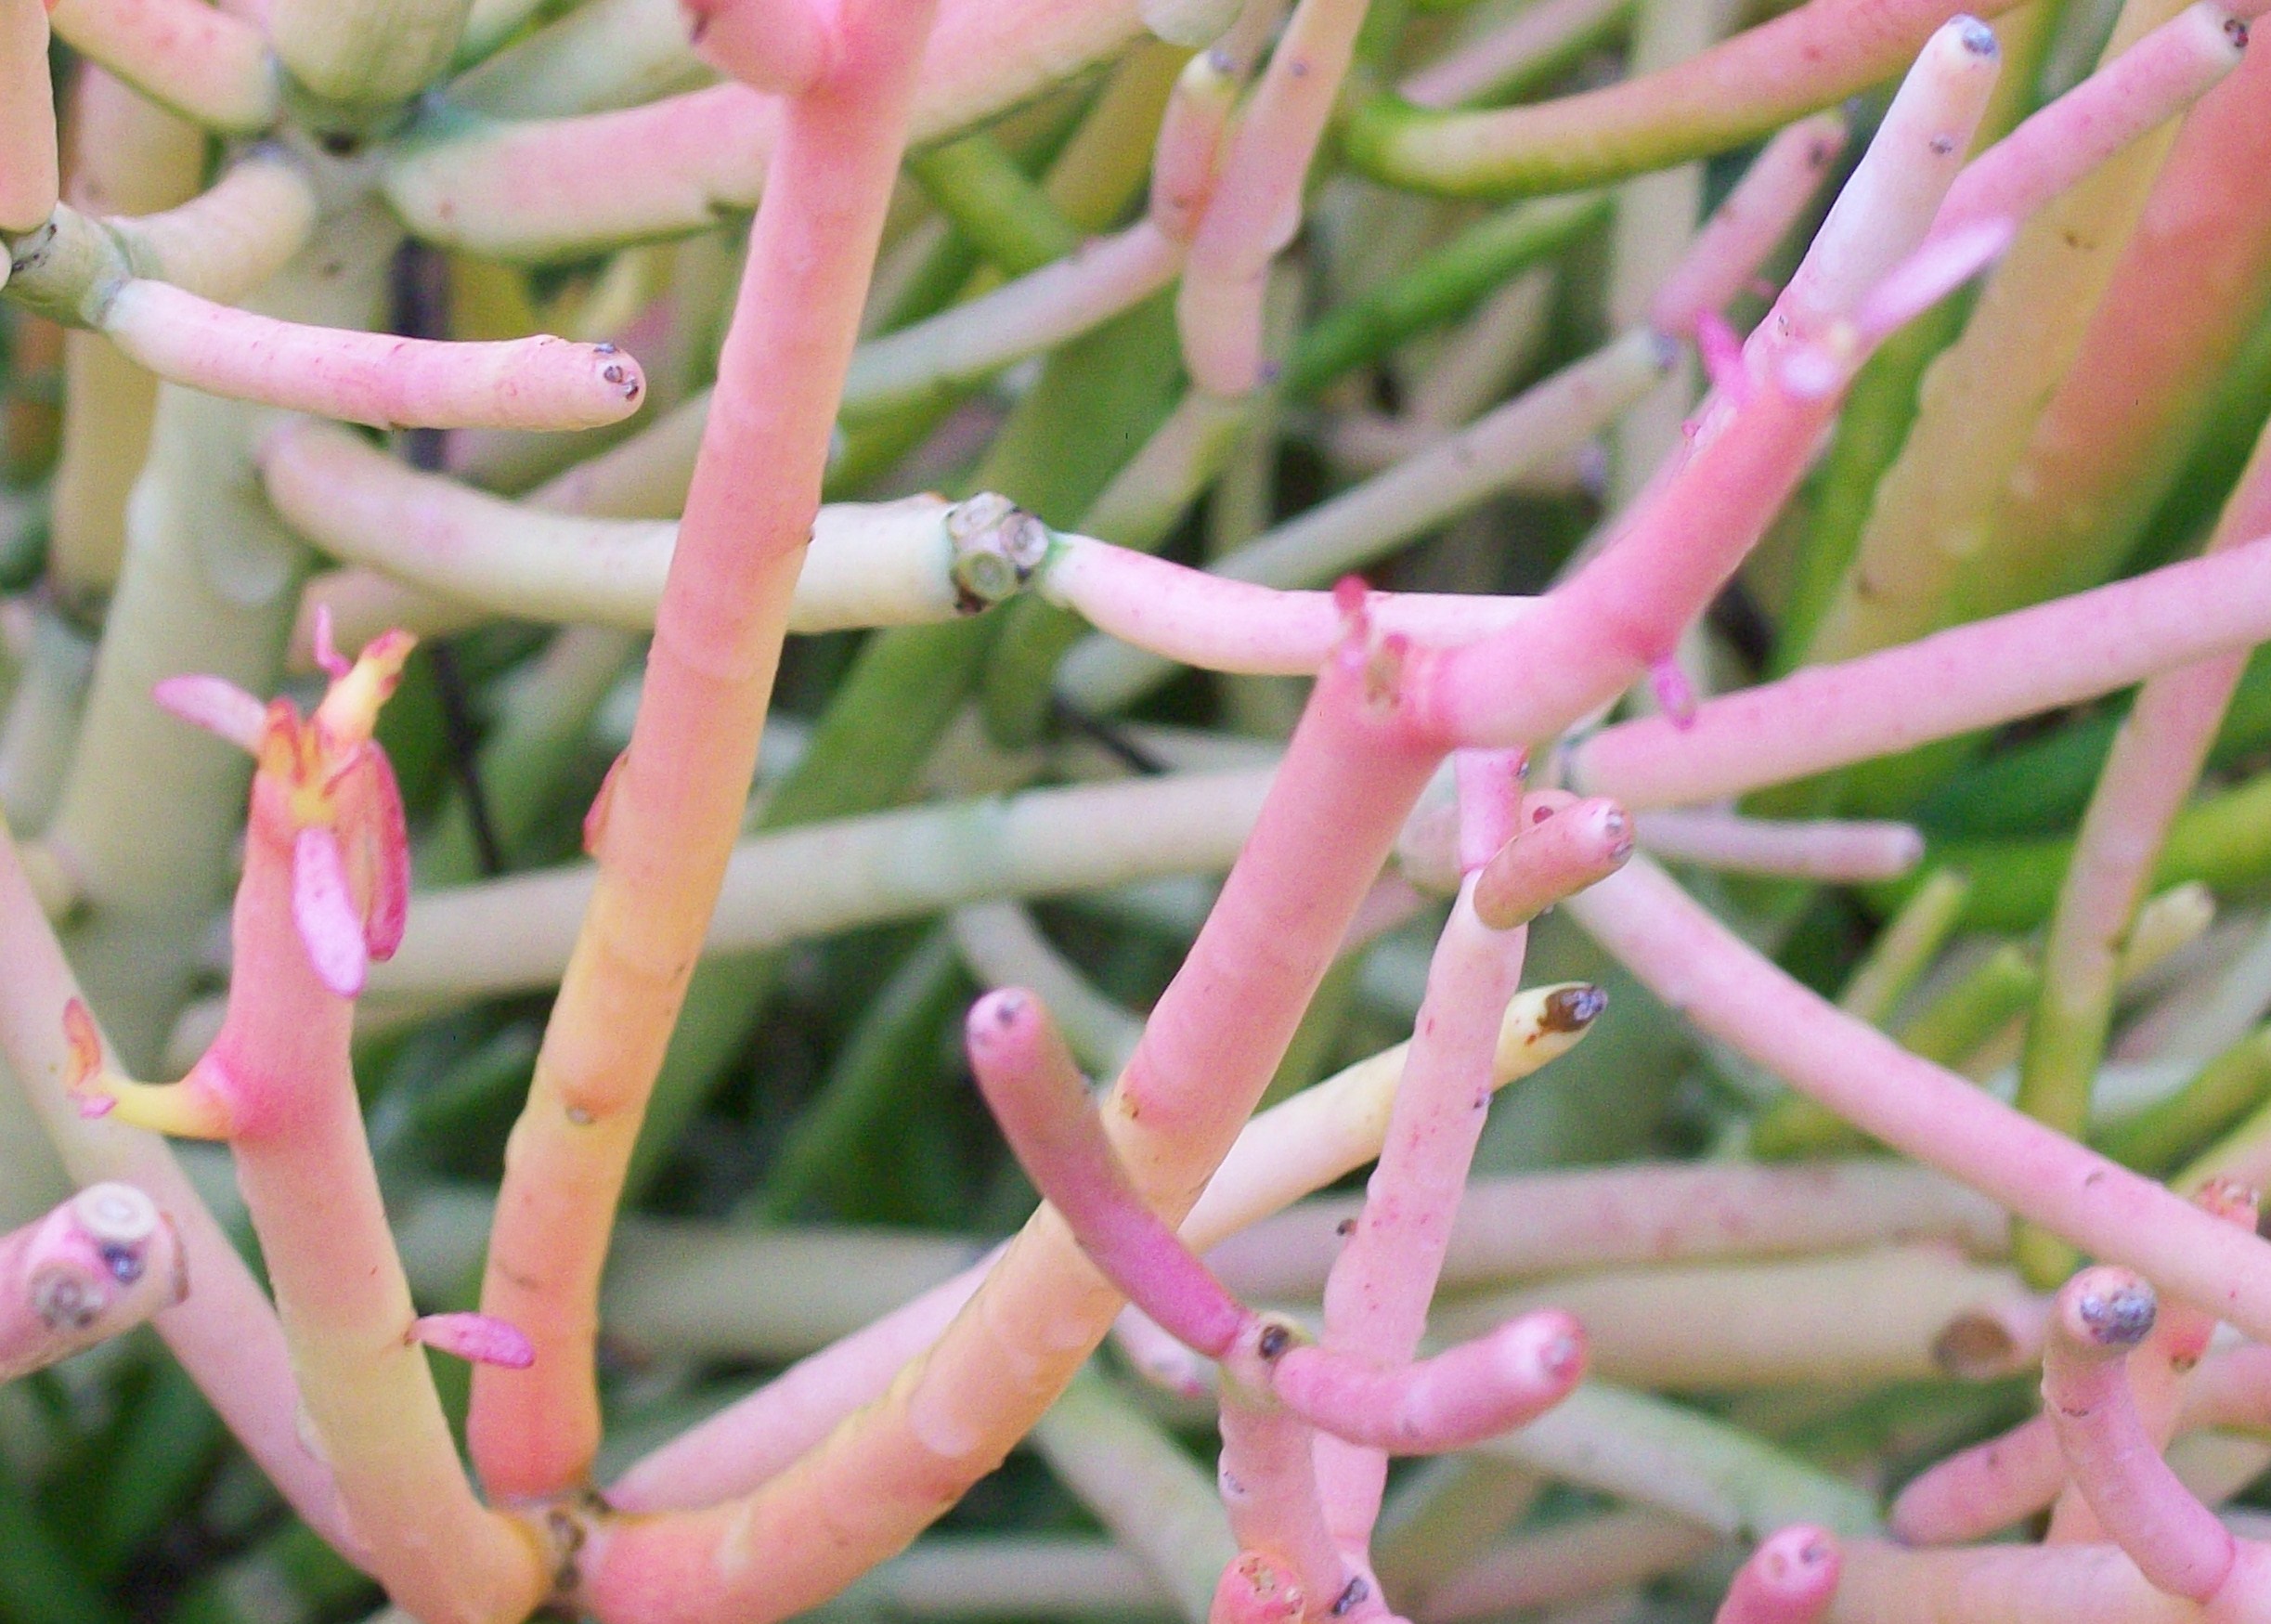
{"x": 2225, "y": 1090}
{"x": 897, "y": 1038}
{"x": 1664, "y": 1455}
{"x": 1440, "y": 287}
{"x": 992, "y": 203}
{"x": 2222, "y": 840}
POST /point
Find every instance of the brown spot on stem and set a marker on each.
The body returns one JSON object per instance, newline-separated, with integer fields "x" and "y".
{"x": 1574, "y": 1008}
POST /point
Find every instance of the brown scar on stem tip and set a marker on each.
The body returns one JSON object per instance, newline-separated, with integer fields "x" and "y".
{"x": 1273, "y": 1342}
{"x": 1574, "y": 1008}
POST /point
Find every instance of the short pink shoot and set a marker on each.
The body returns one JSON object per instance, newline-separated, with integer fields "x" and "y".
{"x": 1929, "y": 275}
{"x": 477, "y": 1338}
{"x": 1475, "y": 1391}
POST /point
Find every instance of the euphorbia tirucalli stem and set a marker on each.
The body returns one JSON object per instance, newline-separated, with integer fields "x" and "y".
{"x": 1377, "y": 1296}
{"x": 665, "y": 823}
{"x": 2192, "y": 285}
{"x": 2156, "y": 759}
{"x": 226, "y": 1335}
{"x": 1255, "y": 206}
{"x": 211, "y": 67}
{"x": 2101, "y": 1314}
{"x": 30, "y": 176}
{"x": 1277, "y": 1387}
{"x": 1978, "y": 403}
{"x": 1953, "y": 681}
{"x": 1282, "y": 1154}
{"x": 1708, "y": 507}
{"x": 1699, "y": 967}
{"x": 1354, "y": 769}
{"x": 325, "y": 882}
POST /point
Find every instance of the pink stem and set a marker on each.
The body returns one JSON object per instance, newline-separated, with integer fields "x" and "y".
{"x": 1268, "y": 1478}
{"x": 2022, "y": 1584}
{"x": 1370, "y": 1392}
{"x": 1699, "y": 967}
{"x": 1735, "y": 242}
{"x": 1747, "y": 456}
{"x": 1476, "y": 1390}
{"x": 101, "y": 1263}
{"x": 1830, "y": 850}
{"x": 1377, "y": 1295}
{"x": 29, "y": 166}
{"x": 1035, "y": 1091}
{"x": 1885, "y": 212}
{"x": 368, "y": 377}
{"x": 2174, "y": 1540}
{"x": 1568, "y": 847}
{"x": 1953, "y": 682}
{"x": 544, "y": 186}
{"x": 783, "y": 46}
{"x": 1683, "y": 538}
{"x": 1220, "y": 624}
{"x": 2139, "y": 90}
{"x": 1187, "y": 155}
{"x": 214, "y": 67}
{"x": 1985, "y": 1488}
{"x": 1255, "y": 206}
{"x": 2161, "y": 1369}
{"x": 1352, "y": 772}
{"x": 675, "y": 803}
{"x": 225, "y": 1334}
{"x": 1789, "y": 1579}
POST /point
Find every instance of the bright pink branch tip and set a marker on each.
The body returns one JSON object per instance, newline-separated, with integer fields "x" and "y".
{"x": 477, "y": 1338}
{"x": 1475, "y": 1391}
{"x": 1789, "y": 1579}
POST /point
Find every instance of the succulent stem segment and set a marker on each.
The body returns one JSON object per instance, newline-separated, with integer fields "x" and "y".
{"x": 325, "y": 886}
{"x": 1279, "y": 1386}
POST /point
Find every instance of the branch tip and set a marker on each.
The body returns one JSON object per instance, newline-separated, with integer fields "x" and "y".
{"x": 479, "y": 1339}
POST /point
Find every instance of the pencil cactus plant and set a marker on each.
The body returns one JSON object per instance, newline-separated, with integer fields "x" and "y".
{"x": 1533, "y": 496}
